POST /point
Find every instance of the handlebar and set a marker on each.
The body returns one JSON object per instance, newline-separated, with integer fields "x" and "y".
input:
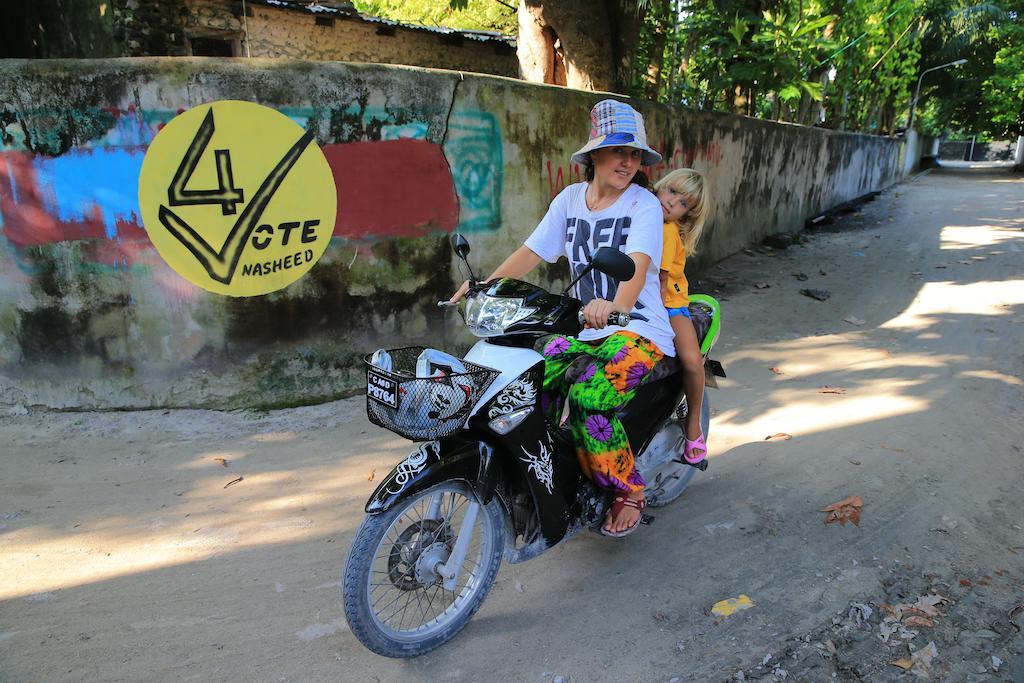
{"x": 614, "y": 318}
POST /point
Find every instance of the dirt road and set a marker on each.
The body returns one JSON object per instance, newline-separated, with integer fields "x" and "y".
{"x": 194, "y": 545}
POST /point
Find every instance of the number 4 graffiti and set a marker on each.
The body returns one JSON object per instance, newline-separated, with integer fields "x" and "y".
{"x": 226, "y": 194}
{"x": 221, "y": 263}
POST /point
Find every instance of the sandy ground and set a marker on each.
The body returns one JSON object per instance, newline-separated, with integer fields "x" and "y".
{"x": 127, "y": 553}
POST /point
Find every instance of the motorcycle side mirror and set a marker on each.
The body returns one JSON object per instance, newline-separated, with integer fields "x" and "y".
{"x": 614, "y": 264}
{"x": 611, "y": 262}
{"x": 460, "y": 245}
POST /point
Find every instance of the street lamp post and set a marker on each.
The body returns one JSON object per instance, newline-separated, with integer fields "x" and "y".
{"x": 917, "y": 92}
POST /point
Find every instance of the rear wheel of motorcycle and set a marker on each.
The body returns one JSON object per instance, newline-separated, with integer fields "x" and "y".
{"x": 394, "y": 601}
{"x": 673, "y": 478}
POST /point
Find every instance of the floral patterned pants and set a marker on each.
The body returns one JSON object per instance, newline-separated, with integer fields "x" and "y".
{"x": 618, "y": 366}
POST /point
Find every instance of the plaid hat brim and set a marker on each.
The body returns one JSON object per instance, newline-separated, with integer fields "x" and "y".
{"x": 649, "y": 157}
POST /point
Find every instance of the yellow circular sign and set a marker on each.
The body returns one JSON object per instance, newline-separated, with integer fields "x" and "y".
{"x": 237, "y": 198}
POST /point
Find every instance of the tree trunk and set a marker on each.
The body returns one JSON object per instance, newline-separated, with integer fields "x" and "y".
{"x": 656, "y": 56}
{"x": 674, "y": 67}
{"x": 597, "y": 39}
{"x": 739, "y": 98}
{"x": 625, "y": 19}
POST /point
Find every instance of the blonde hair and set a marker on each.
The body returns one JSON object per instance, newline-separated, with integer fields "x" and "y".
{"x": 690, "y": 183}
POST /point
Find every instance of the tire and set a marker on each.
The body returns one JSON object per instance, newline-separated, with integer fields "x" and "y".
{"x": 673, "y": 478}
{"x": 389, "y": 564}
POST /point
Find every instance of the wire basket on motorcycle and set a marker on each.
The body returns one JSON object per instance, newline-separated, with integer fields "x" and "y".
{"x": 422, "y": 394}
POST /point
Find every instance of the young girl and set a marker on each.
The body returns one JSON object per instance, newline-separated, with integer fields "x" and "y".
{"x": 682, "y": 196}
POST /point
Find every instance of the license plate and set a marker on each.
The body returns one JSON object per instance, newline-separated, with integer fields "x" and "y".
{"x": 382, "y": 389}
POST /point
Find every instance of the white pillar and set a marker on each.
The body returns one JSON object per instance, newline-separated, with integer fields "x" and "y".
{"x": 1019, "y": 158}
{"x": 935, "y": 148}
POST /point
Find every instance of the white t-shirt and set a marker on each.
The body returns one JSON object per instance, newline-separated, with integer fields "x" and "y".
{"x": 632, "y": 224}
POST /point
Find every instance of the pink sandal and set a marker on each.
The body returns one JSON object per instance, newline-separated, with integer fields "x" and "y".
{"x": 696, "y": 450}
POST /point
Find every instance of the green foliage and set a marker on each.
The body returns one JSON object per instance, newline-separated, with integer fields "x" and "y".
{"x": 736, "y": 57}
{"x": 469, "y": 15}
{"x": 1003, "y": 91}
{"x": 984, "y": 96}
{"x": 845, "y": 64}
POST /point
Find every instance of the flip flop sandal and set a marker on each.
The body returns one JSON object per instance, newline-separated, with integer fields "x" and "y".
{"x": 618, "y": 504}
{"x": 696, "y": 450}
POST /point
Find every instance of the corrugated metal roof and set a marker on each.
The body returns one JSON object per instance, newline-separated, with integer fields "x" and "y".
{"x": 317, "y": 8}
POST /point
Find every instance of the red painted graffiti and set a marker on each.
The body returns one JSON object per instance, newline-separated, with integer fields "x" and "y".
{"x": 557, "y": 179}
{"x": 392, "y": 188}
{"x": 708, "y": 155}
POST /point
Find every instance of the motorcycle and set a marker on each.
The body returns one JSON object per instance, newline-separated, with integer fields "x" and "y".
{"x": 492, "y": 477}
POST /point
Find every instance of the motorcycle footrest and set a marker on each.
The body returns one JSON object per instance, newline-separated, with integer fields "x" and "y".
{"x": 702, "y": 465}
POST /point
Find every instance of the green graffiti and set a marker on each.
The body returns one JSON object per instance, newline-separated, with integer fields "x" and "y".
{"x": 474, "y": 152}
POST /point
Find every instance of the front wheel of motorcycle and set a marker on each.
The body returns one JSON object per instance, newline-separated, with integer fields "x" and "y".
{"x": 393, "y": 588}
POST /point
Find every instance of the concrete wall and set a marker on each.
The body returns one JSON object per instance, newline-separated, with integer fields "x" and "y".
{"x": 91, "y": 316}
{"x": 959, "y": 150}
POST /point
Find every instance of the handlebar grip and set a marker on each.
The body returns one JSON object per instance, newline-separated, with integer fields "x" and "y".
{"x": 614, "y": 318}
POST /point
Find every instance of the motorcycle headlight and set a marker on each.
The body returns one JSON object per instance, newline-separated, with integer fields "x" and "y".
{"x": 488, "y": 316}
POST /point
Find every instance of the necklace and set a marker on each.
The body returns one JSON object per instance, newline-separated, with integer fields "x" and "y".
{"x": 597, "y": 205}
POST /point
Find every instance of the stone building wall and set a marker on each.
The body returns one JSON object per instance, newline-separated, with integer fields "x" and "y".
{"x": 295, "y": 33}
{"x": 69, "y": 29}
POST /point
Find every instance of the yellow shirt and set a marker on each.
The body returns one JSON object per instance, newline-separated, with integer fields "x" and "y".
{"x": 673, "y": 260}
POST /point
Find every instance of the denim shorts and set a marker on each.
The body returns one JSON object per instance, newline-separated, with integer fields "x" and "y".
{"x": 682, "y": 310}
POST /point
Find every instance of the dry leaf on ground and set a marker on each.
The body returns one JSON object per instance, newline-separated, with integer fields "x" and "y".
{"x": 223, "y": 461}
{"x": 890, "y": 630}
{"x": 846, "y": 509}
{"x": 776, "y": 371}
{"x": 234, "y": 481}
{"x": 831, "y": 390}
{"x": 902, "y": 617}
{"x": 927, "y": 604}
{"x": 724, "y": 608}
{"x": 780, "y": 436}
{"x": 923, "y": 660}
{"x": 373, "y": 473}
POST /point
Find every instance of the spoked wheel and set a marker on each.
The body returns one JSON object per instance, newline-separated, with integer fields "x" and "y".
{"x": 401, "y": 598}
{"x": 668, "y": 481}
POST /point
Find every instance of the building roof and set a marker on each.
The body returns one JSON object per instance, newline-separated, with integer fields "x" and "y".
{"x": 347, "y": 10}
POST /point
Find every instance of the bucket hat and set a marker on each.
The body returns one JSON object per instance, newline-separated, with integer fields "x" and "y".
{"x": 616, "y": 124}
